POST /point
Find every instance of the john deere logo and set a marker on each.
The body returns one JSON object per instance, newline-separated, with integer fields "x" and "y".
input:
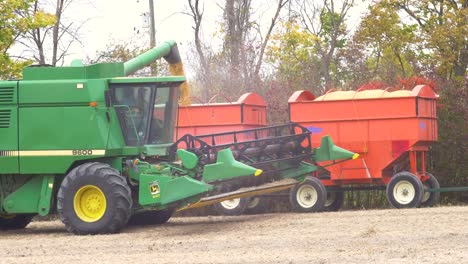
{"x": 154, "y": 187}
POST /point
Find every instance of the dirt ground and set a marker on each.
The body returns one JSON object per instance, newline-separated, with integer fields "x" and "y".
{"x": 435, "y": 235}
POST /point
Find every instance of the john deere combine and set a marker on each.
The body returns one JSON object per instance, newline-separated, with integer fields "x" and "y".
{"x": 98, "y": 147}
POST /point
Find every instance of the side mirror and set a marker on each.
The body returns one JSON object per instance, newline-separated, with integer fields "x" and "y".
{"x": 108, "y": 97}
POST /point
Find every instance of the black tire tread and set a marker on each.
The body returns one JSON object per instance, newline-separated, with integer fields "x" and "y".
{"x": 321, "y": 196}
{"x": 337, "y": 204}
{"x": 154, "y": 217}
{"x": 240, "y": 209}
{"x": 121, "y": 194}
{"x": 435, "y": 196}
{"x": 404, "y": 175}
{"x": 19, "y": 221}
{"x": 260, "y": 208}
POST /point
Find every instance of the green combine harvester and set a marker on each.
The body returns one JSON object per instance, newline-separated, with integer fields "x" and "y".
{"x": 98, "y": 148}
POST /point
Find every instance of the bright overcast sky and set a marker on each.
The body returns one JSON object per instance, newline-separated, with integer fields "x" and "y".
{"x": 110, "y": 21}
{"x": 114, "y": 20}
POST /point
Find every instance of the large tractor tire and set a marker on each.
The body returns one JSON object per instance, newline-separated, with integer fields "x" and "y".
{"x": 232, "y": 207}
{"x": 405, "y": 190}
{"x": 309, "y": 196}
{"x": 430, "y": 198}
{"x": 94, "y": 199}
{"x": 335, "y": 200}
{"x": 11, "y": 222}
{"x": 151, "y": 217}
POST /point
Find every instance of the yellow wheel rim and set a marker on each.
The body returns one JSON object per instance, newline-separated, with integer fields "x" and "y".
{"x": 89, "y": 203}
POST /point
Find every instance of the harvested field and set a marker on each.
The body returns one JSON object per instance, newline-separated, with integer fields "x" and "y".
{"x": 431, "y": 235}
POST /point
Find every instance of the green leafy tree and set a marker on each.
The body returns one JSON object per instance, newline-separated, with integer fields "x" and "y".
{"x": 327, "y": 20}
{"x": 443, "y": 27}
{"x": 388, "y": 46}
{"x": 13, "y": 25}
{"x": 292, "y": 53}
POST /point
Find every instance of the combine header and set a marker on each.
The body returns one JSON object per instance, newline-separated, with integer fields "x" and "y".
{"x": 98, "y": 147}
{"x": 248, "y": 112}
{"x": 279, "y": 151}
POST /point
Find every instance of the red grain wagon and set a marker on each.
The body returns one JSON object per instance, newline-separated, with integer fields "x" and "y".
{"x": 199, "y": 119}
{"x": 392, "y": 132}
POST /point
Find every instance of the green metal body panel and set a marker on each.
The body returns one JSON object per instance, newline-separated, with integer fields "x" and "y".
{"x": 34, "y": 196}
{"x": 160, "y": 187}
{"x": 95, "y": 71}
{"x": 329, "y": 151}
{"x": 189, "y": 159}
{"x": 44, "y": 129}
{"x": 165, "y": 79}
{"x": 160, "y": 191}
{"x": 8, "y": 127}
{"x": 226, "y": 167}
{"x": 298, "y": 173}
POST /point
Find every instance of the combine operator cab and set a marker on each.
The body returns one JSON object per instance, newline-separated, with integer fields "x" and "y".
{"x": 146, "y": 112}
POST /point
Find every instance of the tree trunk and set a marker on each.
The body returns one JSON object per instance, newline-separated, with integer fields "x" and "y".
{"x": 55, "y": 32}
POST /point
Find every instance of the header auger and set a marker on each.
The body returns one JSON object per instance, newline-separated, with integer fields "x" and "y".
{"x": 98, "y": 148}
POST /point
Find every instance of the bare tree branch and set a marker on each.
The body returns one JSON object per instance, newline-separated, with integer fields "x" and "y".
{"x": 274, "y": 20}
{"x": 197, "y": 16}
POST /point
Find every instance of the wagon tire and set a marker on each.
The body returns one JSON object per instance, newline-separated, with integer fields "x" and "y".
{"x": 335, "y": 200}
{"x": 94, "y": 199}
{"x": 430, "y": 198}
{"x": 405, "y": 190}
{"x": 13, "y": 222}
{"x": 232, "y": 207}
{"x": 151, "y": 217}
{"x": 256, "y": 205}
{"x": 308, "y": 196}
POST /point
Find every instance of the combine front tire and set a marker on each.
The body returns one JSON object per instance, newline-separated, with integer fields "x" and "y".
{"x": 11, "y": 222}
{"x": 94, "y": 199}
{"x": 405, "y": 190}
{"x": 231, "y": 207}
{"x": 151, "y": 217}
{"x": 309, "y": 196}
{"x": 430, "y": 198}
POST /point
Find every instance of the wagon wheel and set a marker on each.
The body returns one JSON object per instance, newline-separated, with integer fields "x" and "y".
{"x": 309, "y": 196}
{"x": 235, "y": 206}
{"x": 257, "y": 205}
{"x": 94, "y": 199}
{"x": 405, "y": 190}
{"x": 430, "y": 198}
{"x": 14, "y": 221}
{"x": 335, "y": 199}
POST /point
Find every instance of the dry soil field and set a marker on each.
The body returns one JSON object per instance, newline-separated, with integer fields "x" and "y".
{"x": 436, "y": 235}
